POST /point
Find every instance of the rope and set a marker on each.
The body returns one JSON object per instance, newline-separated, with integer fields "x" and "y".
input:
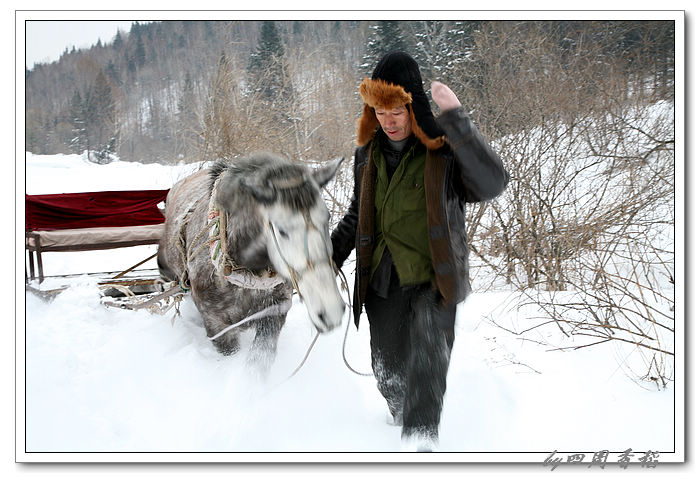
{"x": 220, "y": 235}
{"x": 277, "y": 309}
{"x": 174, "y": 290}
{"x": 223, "y": 239}
{"x": 182, "y": 248}
{"x": 306, "y": 356}
{"x": 345, "y": 285}
{"x": 192, "y": 252}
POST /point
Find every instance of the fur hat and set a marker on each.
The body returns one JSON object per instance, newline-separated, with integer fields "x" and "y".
{"x": 396, "y": 81}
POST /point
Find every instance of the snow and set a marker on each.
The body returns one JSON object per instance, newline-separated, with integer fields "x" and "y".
{"x": 105, "y": 384}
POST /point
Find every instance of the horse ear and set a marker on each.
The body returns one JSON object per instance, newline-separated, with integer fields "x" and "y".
{"x": 225, "y": 192}
{"x": 326, "y": 172}
{"x": 263, "y": 194}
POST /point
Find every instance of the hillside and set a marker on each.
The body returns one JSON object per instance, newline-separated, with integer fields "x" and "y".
{"x": 189, "y": 90}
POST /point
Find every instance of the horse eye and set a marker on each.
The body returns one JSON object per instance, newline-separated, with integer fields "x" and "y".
{"x": 283, "y": 233}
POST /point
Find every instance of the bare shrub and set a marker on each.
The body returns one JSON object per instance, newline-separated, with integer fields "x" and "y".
{"x": 585, "y": 229}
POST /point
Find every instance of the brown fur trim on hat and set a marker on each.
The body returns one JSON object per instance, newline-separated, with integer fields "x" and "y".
{"x": 366, "y": 126}
{"x": 428, "y": 142}
{"x": 379, "y": 93}
{"x": 382, "y": 94}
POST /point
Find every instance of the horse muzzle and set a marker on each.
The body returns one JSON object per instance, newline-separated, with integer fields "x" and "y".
{"x": 320, "y": 294}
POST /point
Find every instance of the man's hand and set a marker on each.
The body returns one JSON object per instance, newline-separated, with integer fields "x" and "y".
{"x": 443, "y": 96}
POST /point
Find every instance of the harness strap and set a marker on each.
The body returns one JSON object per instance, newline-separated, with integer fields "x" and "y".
{"x": 294, "y": 274}
{"x": 218, "y": 252}
{"x": 247, "y": 279}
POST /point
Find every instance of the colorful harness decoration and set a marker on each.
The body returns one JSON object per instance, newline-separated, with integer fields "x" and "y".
{"x": 223, "y": 263}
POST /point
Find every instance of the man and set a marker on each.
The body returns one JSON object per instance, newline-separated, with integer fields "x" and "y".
{"x": 413, "y": 176}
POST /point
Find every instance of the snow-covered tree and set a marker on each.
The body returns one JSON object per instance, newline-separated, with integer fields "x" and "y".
{"x": 267, "y": 67}
{"x": 386, "y": 35}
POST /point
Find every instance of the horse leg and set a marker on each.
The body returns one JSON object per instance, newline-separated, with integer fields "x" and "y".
{"x": 264, "y": 347}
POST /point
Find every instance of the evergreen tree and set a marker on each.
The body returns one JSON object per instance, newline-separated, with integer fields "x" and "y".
{"x": 267, "y": 68}
{"x": 643, "y": 51}
{"x": 186, "y": 102}
{"x": 429, "y": 46}
{"x": 298, "y": 29}
{"x": 113, "y": 73}
{"x": 187, "y": 117}
{"x": 130, "y": 65}
{"x": 118, "y": 41}
{"x": 78, "y": 142}
{"x": 140, "y": 52}
{"x": 104, "y": 103}
{"x": 93, "y": 119}
{"x": 387, "y": 35}
{"x": 442, "y": 46}
{"x": 105, "y": 118}
{"x": 209, "y": 30}
{"x": 459, "y": 45}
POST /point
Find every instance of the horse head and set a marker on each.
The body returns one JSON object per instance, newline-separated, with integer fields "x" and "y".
{"x": 296, "y": 232}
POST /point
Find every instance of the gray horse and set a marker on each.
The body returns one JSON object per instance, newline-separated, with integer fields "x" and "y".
{"x": 242, "y": 235}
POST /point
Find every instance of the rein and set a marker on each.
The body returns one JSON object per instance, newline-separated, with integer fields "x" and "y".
{"x": 277, "y": 309}
{"x": 296, "y": 275}
{"x": 215, "y": 229}
{"x": 344, "y": 284}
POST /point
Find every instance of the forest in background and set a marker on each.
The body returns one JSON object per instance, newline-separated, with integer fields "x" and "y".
{"x": 193, "y": 90}
{"x": 582, "y": 113}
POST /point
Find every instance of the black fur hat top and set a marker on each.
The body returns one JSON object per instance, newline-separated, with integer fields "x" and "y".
{"x": 397, "y": 80}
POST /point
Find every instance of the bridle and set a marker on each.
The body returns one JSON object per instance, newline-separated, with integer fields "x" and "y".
{"x": 294, "y": 274}
{"x": 216, "y": 241}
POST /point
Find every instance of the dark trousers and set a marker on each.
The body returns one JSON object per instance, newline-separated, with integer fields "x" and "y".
{"x": 411, "y": 343}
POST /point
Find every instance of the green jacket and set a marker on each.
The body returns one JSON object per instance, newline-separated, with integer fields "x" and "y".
{"x": 401, "y": 219}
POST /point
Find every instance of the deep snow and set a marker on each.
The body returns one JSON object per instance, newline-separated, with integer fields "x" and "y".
{"x": 109, "y": 381}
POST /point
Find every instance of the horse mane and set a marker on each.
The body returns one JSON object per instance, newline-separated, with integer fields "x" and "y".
{"x": 279, "y": 179}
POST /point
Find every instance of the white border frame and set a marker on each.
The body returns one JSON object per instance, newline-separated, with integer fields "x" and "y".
{"x": 680, "y": 358}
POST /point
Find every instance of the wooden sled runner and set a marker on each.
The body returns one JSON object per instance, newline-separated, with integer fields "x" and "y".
{"x": 139, "y": 291}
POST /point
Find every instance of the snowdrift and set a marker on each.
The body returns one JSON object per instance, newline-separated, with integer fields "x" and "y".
{"x": 114, "y": 385}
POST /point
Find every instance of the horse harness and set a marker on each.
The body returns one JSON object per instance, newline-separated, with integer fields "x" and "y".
{"x": 215, "y": 229}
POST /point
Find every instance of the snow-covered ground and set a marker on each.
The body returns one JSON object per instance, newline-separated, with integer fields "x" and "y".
{"x": 110, "y": 384}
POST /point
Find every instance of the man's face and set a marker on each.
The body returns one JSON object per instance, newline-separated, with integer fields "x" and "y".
{"x": 396, "y": 122}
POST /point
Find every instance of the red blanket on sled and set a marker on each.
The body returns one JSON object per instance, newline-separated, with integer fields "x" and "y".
{"x": 93, "y": 209}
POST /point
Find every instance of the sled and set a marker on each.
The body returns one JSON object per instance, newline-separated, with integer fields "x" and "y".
{"x": 145, "y": 290}
{"x": 111, "y": 284}
{"x": 158, "y": 296}
{"x": 71, "y": 222}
